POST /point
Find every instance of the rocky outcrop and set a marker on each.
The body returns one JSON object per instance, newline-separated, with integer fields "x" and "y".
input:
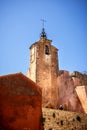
{"x": 82, "y": 95}
{"x": 68, "y": 96}
{"x": 81, "y": 76}
{"x": 20, "y": 103}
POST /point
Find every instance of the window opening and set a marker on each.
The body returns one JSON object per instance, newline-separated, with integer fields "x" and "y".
{"x": 46, "y": 50}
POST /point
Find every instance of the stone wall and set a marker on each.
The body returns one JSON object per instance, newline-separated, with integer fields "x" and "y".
{"x": 32, "y": 70}
{"x": 81, "y": 77}
{"x": 47, "y": 71}
{"x": 44, "y": 70}
{"x": 61, "y": 120}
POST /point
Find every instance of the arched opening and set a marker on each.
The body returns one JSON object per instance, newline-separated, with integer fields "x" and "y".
{"x": 46, "y": 50}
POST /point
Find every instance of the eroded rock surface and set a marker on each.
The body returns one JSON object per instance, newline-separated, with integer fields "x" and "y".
{"x": 69, "y": 95}
{"x": 20, "y": 103}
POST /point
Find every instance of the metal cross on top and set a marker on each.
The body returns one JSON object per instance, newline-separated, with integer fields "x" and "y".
{"x": 43, "y": 34}
{"x": 43, "y": 21}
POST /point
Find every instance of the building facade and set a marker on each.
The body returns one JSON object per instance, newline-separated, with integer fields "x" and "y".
{"x": 44, "y": 68}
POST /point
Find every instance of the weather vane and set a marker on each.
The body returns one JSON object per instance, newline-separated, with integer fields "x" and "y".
{"x": 43, "y": 21}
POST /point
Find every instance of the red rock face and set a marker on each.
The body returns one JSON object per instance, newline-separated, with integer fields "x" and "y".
{"x": 20, "y": 103}
{"x": 68, "y": 97}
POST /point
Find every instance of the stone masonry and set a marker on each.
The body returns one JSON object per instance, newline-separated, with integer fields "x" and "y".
{"x": 63, "y": 120}
{"x": 44, "y": 70}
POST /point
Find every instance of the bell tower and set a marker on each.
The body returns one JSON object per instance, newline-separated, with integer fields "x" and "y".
{"x": 44, "y": 68}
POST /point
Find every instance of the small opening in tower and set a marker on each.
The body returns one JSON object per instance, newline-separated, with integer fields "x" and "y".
{"x": 46, "y": 50}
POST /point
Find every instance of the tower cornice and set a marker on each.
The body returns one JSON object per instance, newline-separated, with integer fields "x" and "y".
{"x": 44, "y": 40}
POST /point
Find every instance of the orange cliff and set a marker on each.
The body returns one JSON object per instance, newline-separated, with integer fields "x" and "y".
{"x": 20, "y": 103}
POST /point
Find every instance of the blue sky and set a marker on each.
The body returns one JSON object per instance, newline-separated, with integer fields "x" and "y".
{"x": 20, "y": 26}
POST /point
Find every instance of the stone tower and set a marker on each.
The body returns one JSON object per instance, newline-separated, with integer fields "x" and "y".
{"x": 44, "y": 69}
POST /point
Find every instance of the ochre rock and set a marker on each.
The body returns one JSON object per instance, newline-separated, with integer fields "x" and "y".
{"x": 68, "y": 97}
{"x": 20, "y": 103}
{"x": 82, "y": 95}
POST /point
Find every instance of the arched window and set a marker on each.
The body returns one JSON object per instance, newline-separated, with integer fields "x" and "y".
{"x": 46, "y": 50}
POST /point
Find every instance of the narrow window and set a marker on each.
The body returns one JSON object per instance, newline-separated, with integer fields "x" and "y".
{"x": 37, "y": 48}
{"x": 46, "y": 50}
